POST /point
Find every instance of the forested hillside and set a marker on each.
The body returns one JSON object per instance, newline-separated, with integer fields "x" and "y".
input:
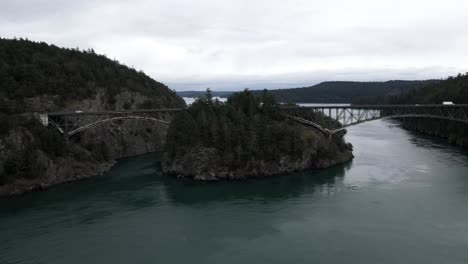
{"x": 453, "y": 89}
{"x": 30, "y": 69}
{"x": 38, "y": 77}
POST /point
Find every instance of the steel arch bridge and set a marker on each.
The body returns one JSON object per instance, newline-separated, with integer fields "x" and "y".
{"x": 71, "y": 123}
{"x": 331, "y": 119}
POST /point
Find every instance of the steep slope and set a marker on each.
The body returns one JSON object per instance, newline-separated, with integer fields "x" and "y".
{"x": 37, "y": 77}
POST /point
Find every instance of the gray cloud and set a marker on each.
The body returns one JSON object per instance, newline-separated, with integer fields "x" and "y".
{"x": 256, "y": 43}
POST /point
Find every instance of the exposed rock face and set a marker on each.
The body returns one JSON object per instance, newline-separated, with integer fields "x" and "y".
{"x": 81, "y": 160}
{"x": 201, "y": 163}
{"x": 127, "y": 137}
{"x": 38, "y": 77}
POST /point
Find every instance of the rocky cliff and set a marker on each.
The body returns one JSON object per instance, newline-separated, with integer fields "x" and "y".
{"x": 89, "y": 153}
{"x": 204, "y": 163}
{"x": 37, "y": 77}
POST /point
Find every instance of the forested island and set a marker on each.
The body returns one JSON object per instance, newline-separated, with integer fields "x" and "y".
{"x": 245, "y": 137}
{"x": 38, "y": 77}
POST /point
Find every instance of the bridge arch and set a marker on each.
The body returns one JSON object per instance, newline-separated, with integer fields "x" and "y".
{"x": 70, "y": 124}
{"x": 327, "y": 131}
{"x": 100, "y": 122}
{"x": 409, "y": 116}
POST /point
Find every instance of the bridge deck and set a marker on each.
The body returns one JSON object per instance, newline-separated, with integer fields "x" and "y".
{"x": 70, "y": 123}
{"x": 77, "y": 113}
{"x": 375, "y": 106}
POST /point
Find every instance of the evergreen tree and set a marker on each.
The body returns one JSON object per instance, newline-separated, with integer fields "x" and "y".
{"x": 244, "y": 129}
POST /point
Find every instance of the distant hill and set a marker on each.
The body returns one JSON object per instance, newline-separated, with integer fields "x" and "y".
{"x": 333, "y": 92}
{"x": 345, "y": 92}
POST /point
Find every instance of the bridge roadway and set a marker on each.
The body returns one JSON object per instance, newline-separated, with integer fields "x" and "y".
{"x": 329, "y": 119}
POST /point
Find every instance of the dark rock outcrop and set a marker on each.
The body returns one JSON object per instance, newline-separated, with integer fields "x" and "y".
{"x": 89, "y": 153}
{"x": 203, "y": 163}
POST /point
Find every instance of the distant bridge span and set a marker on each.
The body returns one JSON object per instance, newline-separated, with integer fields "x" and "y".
{"x": 329, "y": 119}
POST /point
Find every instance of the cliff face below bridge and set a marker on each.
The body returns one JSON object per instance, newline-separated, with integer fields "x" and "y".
{"x": 36, "y": 157}
{"x": 38, "y": 77}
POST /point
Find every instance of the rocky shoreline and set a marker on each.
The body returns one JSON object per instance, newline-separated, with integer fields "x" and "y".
{"x": 197, "y": 164}
{"x": 257, "y": 169}
{"x": 91, "y": 153}
{"x": 75, "y": 171}
{"x": 200, "y": 163}
{"x": 33, "y": 156}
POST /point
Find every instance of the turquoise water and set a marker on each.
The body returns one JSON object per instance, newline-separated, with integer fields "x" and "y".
{"x": 403, "y": 199}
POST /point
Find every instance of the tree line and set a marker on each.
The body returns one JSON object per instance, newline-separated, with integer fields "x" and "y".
{"x": 29, "y": 69}
{"x": 244, "y": 128}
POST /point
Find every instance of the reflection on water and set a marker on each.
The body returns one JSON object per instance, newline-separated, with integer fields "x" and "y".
{"x": 147, "y": 187}
{"x": 310, "y": 183}
{"x": 400, "y": 191}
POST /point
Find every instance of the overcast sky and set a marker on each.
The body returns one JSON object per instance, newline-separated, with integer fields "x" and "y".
{"x": 234, "y": 44}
